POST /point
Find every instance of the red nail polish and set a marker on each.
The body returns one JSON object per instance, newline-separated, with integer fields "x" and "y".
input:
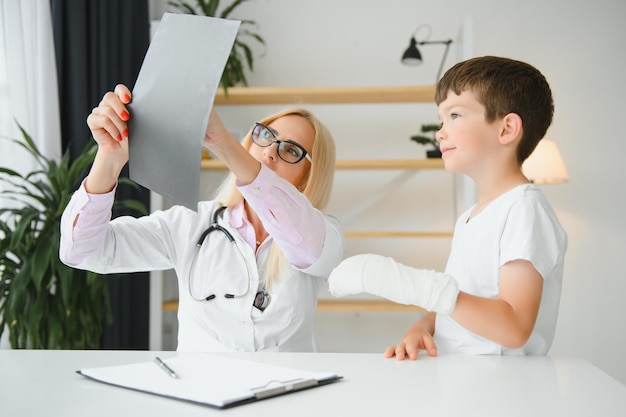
{"x": 124, "y": 115}
{"x": 119, "y": 138}
{"x": 126, "y": 98}
{"x": 126, "y": 132}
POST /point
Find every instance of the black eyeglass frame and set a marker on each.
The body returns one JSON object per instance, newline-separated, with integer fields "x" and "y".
{"x": 304, "y": 155}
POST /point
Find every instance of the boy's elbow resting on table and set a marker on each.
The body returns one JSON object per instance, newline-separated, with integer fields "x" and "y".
{"x": 515, "y": 338}
{"x": 494, "y": 319}
{"x": 513, "y": 334}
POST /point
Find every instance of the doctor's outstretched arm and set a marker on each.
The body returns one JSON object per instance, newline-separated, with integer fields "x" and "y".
{"x": 228, "y": 149}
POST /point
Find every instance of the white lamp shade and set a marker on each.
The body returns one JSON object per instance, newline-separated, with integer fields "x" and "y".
{"x": 545, "y": 165}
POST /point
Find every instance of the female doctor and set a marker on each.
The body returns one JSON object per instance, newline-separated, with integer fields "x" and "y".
{"x": 251, "y": 262}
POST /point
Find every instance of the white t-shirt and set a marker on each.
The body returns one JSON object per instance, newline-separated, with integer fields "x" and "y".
{"x": 519, "y": 224}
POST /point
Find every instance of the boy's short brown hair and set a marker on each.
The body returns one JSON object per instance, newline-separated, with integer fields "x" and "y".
{"x": 504, "y": 86}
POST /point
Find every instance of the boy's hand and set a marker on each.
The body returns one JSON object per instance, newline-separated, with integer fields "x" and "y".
{"x": 416, "y": 339}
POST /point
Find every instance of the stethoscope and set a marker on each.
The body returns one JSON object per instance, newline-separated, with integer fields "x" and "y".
{"x": 261, "y": 299}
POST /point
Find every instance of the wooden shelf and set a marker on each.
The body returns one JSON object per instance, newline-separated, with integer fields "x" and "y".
{"x": 337, "y": 305}
{"x": 326, "y": 95}
{"x": 355, "y": 164}
{"x": 363, "y": 305}
{"x": 170, "y": 305}
{"x": 406, "y": 164}
{"x": 397, "y": 234}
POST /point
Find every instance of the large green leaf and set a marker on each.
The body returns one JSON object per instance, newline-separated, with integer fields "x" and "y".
{"x": 40, "y": 261}
{"x": 44, "y": 303}
{"x": 24, "y": 230}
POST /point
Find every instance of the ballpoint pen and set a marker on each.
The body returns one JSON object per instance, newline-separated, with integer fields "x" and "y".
{"x": 164, "y": 366}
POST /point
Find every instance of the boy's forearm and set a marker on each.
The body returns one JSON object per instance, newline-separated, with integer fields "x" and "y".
{"x": 494, "y": 319}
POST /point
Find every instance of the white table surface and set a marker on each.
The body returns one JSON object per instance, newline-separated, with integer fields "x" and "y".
{"x": 44, "y": 383}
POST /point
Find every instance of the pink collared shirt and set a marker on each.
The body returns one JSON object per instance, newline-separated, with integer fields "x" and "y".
{"x": 287, "y": 215}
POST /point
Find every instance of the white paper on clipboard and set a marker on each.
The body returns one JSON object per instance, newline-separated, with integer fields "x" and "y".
{"x": 211, "y": 380}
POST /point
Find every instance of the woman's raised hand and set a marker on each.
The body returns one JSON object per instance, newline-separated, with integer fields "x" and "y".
{"x": 107, "y": 122}
{"x": 217, "y": 138}
{"x": 108, "y": 126}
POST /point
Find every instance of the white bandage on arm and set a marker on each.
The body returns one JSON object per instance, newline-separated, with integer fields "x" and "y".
{"x": 384, "y": 277}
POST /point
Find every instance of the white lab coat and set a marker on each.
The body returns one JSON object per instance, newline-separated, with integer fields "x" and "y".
{"x": 167, "y": 239}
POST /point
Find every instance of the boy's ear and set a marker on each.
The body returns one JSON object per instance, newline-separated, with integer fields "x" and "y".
{"x": 511, "y": 128}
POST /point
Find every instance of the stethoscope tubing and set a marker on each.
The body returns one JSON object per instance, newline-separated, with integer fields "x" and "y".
{"x": 215, "y": 226}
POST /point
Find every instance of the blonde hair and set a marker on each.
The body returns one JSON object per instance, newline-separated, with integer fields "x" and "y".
{"x": 318, "y": 183}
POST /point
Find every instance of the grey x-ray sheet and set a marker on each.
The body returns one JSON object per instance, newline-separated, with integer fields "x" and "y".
{"x": 172, "y": 101}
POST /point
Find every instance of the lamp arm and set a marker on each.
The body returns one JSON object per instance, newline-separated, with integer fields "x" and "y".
{"x": 445, "y": 53}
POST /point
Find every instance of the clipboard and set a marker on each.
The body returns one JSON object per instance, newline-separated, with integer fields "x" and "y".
{"x": 211, "y": 380}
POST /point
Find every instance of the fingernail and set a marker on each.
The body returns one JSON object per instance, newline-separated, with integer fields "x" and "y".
{"x": 124, "y": 115}
{"x": 126, "y": 98}
{"x": 119, "y": 138}
{"x": 126, "y": 132}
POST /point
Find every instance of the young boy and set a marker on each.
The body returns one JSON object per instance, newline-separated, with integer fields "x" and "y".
{"x": 501, "y": 288}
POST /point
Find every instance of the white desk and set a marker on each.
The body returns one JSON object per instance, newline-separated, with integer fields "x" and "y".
{"x": 44, "y": 383}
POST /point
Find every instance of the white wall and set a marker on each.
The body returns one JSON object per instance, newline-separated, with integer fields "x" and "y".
{"x": 579, "y": 47}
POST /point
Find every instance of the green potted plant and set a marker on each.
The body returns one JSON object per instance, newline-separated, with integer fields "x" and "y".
{"x": 45, "y": 304}
{"x": 241, "y": 54}
{"x": 428, "y": 137}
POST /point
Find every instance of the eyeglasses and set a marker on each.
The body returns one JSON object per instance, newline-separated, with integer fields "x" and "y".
{"x": 288, "y": 150}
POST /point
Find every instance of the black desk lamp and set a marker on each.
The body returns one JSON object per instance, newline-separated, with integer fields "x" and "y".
{"x": 412, "y": 55}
